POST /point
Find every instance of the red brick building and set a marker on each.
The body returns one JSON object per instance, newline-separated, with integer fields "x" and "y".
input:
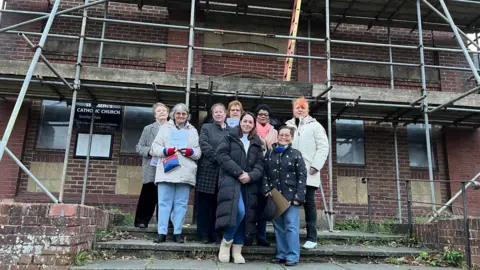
{"x": 362, "y": 148}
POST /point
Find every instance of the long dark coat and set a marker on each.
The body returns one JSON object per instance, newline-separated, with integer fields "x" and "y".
{"x": 233, "y": 162}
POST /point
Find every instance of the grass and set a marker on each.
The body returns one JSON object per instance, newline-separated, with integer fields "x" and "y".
{"x": 128, "y": 219}
{"x": 445, "y": 258}
{"x": 383, "y": 226}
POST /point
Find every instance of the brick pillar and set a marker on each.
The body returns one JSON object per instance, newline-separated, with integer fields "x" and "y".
{"x": 8, "y": 168}
{"x": 463, "y": 148}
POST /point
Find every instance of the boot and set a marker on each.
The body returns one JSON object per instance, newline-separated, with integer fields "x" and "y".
{"x": 224, "y": 253}
{"x": 237, "y": 254}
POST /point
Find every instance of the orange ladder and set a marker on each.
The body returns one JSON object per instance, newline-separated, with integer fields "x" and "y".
{"x": 287, "y": 71}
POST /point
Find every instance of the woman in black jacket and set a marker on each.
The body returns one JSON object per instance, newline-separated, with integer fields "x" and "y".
{"x": 207, "y": 174}
{"x": 241, "y": 161}
{"x": 285, "y": 171}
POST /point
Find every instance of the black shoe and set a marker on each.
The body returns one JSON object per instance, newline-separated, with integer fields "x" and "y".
{"x": 161, "y": 238}
{"x": 278, "y": 261}
{"x": 178, "y": 238}
{"x": 291, "y": 263}
{"x": 248, "y": 242}
{"x": 142, "y": 226}
{"x": 205, "y": 240}
{"x": 263, "y": 243}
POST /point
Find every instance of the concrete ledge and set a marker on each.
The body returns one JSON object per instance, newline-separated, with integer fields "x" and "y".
{"x": 134, "y": 247}
{"x": 322, "y": 235}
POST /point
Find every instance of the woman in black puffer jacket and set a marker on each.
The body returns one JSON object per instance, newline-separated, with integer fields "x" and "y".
{"x": 240, "y": 157}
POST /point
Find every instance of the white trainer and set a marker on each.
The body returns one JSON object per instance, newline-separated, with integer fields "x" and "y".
{"x": 309, "y": 245}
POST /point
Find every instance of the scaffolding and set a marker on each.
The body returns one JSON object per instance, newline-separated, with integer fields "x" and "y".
{"x": 404, "y": 14}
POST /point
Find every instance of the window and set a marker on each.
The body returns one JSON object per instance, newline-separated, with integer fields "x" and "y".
{"x": 417, "y": 147}
{"x": 134, "y": 120}
{"x": 53, "y": 125}
{"x": 350, "y": 142}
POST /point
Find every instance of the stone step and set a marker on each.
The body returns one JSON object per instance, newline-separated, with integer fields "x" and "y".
{"x": 211, "y": 264}
{"x": 323, "y": 236}
{"x": 143, "y": 248}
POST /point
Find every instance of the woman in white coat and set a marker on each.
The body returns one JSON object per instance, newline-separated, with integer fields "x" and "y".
{"x": 176, "y": 144}
{"x": 312, "y": 141}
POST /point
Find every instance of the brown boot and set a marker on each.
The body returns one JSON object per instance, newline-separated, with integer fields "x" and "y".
{"x": 224, "y": 253}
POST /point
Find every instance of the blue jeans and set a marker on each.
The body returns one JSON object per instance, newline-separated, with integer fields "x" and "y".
{"x": 237, "y": 232}
{"x": 287, "y": 234}
{"x": 172, "y": 199}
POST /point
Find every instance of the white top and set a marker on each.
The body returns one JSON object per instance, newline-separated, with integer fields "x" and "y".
{"x": 246, "y": 142}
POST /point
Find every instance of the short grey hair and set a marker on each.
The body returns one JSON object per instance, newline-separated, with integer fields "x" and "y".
{"x": 180, "y": 107}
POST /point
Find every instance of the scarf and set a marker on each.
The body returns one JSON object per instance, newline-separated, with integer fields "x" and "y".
{"x": 262, "y": 131}
{"x": 280, "y": 148}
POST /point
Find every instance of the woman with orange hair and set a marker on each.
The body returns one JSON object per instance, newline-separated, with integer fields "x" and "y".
{"x": 311, "y": 140}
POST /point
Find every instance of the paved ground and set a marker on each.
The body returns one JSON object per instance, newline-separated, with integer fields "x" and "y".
{"x": 194, "y": 264}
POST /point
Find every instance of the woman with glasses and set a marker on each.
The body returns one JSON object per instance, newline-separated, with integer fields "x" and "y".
{"x": 285, "y": 171}
{"x": 234, "y": 112}
{"x": 177, "y": 148}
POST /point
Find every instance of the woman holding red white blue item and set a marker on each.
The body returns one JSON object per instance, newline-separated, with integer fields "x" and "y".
{"x": 177, "y": 149}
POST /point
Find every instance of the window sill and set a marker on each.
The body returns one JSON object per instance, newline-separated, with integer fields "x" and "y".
{"x": 357, "y": 166}
{"x": 422, "y": 169}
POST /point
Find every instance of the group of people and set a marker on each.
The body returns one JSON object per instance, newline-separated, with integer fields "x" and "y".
{"x": 235, "y": 164}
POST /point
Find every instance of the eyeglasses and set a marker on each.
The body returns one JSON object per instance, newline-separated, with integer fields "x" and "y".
{"x": 234, "y": 110}
{"x": 263, "y": 114}
{"x": 284, "y": 135}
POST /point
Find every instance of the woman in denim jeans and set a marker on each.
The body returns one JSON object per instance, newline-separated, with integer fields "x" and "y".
{"x": 240, "y": 158}
{"x": 285, "y": 170}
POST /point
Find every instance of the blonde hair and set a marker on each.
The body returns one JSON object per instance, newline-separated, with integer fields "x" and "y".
{"x": 234, "y": 103}
{"x": 302, "y": 102}
{"x": 154, "y": 107}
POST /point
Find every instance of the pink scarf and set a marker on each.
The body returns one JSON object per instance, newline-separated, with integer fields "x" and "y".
{"x": 262, "y": 131}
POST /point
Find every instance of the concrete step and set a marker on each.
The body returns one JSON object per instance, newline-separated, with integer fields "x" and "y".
{"x": 143, "y": 248}
{"x": 211, "y": 264}
{"x": 336, "y": 237}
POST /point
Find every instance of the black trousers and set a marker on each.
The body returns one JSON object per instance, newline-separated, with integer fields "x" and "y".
{"x": 206, "y": 215}
{"x": 147, "y": 202}
{"x": 311, "y": 214}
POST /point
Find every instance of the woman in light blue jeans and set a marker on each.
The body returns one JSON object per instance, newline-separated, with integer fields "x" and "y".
{"x": 285, "y": 171}
{"x": 176, "y": 141}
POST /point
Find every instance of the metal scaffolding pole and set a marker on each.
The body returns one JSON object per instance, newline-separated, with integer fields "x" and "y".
{"x": 397, "y": 174}
{"x": 390, "y": 57}
{"x": 47, "y": 63}
{"x": 76, "y": 88}
{"x": 86, "y": 5}
{"x": 460, "y": 42}
{"x": 191, "y": 43}
{"x": 309, "y": 50}
{"x": 450, "y": 21}
{"x": 28, "y": 77}
{"x": 329, "y": 111}
{"x": 425, "y": 104}
{"x": 104, "y": 28}
{"x": 448, "y": 103}
{"x": 25, "y": 169}
{"x": 89, "y": 148}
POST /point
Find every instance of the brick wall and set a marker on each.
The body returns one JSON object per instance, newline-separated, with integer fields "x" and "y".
{"x": 8, "y": 168}
{"x": 35, "y": 236}
{"x": 451, "y": 234}
{"x": 463, "y": 148}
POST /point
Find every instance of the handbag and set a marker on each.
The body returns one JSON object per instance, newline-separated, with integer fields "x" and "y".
{"x": 170, "y": 163}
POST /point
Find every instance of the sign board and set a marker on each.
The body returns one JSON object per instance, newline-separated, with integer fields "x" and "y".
{"x": 101, "y": 146}
{"x": 106, "y": 116}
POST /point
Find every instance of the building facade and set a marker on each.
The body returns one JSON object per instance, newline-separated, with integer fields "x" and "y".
{"x": 362, "y": 148}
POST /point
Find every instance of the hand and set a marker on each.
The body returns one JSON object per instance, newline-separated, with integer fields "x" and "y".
{"x": 187, "y": 151}
{"x": 169, "y": 151}
{"x": 268, "y": 194}
{"x": 244, "y": 178}
{"x": 313, "y": 171}
{"x": 296, "y": 203}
